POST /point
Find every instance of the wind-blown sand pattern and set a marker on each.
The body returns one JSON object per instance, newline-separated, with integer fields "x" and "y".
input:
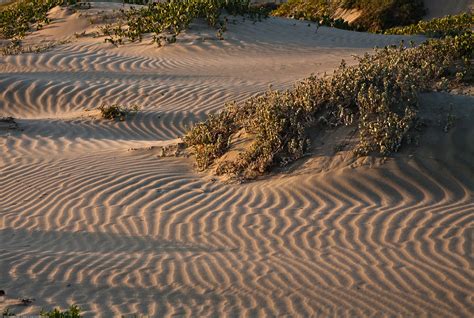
{"x": 86, "y": 219}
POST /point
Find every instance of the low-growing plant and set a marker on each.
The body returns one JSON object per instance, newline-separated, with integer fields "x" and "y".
{"x": 379, "y": 95}
{"x": 376, "y": 15}
{"x": 16, "y": 47}
{"x": 303, "y": 9}
{"x": 166, "y": 20}
{"x": 211, "y": 138}
{"x": 73, "y": 312}
{"x": 117, "y": 111}
{"x": 439, "y": 27}
{"x": 18, "y": 18}
{"x": 316, "y": 11}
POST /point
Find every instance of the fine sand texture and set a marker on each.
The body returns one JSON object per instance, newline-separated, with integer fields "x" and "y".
{"x": 90, "y": 214}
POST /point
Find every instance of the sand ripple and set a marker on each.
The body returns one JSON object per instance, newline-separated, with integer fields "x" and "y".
{"x": 84, "y": 220}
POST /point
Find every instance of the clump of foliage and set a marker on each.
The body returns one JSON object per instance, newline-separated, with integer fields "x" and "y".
{"x": 379, "y": 15}
{"x": 18, "y": 18}
{"x": 440, "y": 27}
{"x": 166, "y": 20}
{"x": 73, "y": 312}
{"x": 117, "y": 111}
{"x": 303, "y": 8}
{"x": 376, "y": 15}
{"x": 319, "y": 11}
{"x": 379, "y": 95}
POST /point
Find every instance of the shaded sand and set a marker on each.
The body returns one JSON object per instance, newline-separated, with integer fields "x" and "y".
{"x": 85, "y": 219}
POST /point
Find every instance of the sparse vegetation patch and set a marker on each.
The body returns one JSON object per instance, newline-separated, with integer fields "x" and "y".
{"x": 166, "y": 20}
{"x": 16, "y": 47}
{"x": 376, "y": 15}
{"x": 319, "y": 11}
{"x": 379, "y": 15}
{"x": 440, "y": 27}
{"x": 379, "y": 95}
{"x": 73, "y": 312}
{"x": 18, "y": 18}
{"x": 117, "y": 111}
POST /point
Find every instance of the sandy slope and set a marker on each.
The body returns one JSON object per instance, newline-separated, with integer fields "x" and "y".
{"x": 86, "y": 220}
{"x": 440, "y": 8}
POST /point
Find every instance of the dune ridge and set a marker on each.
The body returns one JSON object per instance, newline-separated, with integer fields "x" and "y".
{"x": 90, "y": 214}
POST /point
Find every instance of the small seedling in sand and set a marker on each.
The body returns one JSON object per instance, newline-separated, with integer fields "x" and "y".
{"x": 117, "y": 112}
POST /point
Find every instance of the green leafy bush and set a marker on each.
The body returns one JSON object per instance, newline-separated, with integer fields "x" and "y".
{"x": 312, "y": 10}
{"x": 375, "y": 15}
{"x": 379, "y": 95}
{"x": 379, "y": 15}
{"x": 168, "y": 19}
{"x": 17, "y": 19}
{"x": 440, "y": 27}
{"x": 303, "y": 9}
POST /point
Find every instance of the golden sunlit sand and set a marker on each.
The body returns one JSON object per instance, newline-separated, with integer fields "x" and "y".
{"x": 91, "y": 213}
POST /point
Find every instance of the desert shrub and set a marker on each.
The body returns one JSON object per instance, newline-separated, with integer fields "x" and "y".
{"x": 17, "y": 19}
{"x": 379, "y": 95}
{"x": 383, "y": 14}
{"x": 73, "y": 312}
{"x": 440, "y": 27}
{"x": 277, "y": 122}
{"x": 312, "y": 10}
{"x": 376, "y": 14}
{"x": 117, "y": 111}
{"x": 303, "y": 9}
{"x": 166, "y": 20}
{"x": 211, "y": 138}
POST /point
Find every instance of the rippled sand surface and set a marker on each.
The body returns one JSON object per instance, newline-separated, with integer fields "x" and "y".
{"x": 85, "y": 219}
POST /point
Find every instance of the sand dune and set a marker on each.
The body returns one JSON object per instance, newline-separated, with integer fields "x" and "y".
{"x": 85, "y": 219}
